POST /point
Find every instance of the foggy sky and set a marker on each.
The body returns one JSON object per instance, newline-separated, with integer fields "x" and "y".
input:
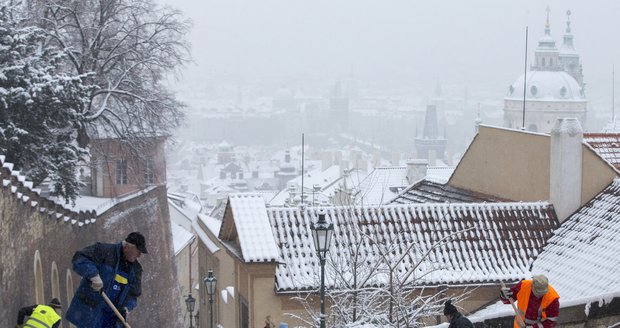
{"x": 469, "y": 42}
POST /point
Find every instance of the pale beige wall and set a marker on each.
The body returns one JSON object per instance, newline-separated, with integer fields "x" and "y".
{"x": 597, "y": 175}
{"x": 263, "y": 300}
{"x": 514, "y": 165}
{"x": 182, "y": 262}
{"x": 507, "y": 164}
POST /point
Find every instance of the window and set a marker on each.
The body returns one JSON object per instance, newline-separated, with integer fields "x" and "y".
{"x": 121, "y": 171}
{"x": 149, "y": 175}
{"x": 244, "y": 314}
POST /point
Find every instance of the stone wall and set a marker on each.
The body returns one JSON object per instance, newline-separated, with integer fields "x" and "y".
{"x": 38, "y": 239}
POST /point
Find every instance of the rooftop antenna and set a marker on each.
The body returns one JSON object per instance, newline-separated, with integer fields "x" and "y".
{"x": 524, "y": 81}
{"x": 613, "y": 91}
{"x": 302, "y": 168}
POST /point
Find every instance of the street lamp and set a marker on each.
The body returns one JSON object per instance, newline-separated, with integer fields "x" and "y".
{"x": 190, "y": 302}
{"x": 210, "y": 283}
{"x": 322, "y": 235}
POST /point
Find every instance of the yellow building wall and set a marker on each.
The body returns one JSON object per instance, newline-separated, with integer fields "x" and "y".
{"x": 515, "y": 165}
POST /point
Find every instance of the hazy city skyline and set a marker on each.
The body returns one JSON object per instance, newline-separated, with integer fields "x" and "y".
{"x": 481, "y": 41}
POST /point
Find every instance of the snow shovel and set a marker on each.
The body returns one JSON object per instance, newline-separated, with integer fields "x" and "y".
{"x": 519, "y": 318}
{"x": 118, "y": 314}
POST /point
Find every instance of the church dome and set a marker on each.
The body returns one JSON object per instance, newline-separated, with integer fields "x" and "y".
{"x": 547, "y": 85}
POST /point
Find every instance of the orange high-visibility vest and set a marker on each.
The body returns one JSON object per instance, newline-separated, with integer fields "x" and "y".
{"x": 523, "y": 298}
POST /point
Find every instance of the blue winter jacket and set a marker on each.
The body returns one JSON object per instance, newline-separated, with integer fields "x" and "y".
{"x": 88, "y": 309}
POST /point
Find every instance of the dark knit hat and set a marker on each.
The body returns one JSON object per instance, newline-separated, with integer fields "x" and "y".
{"x": 55, "y": 303}
{"x": 449, "y": 309}
{"x": 137, "y": 239}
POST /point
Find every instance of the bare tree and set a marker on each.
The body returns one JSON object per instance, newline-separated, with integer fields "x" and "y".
{"x": 377, "y": 281}
{"x": 127, "y": 48}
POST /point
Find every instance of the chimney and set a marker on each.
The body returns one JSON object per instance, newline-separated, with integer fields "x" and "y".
{"x": 395, "y": 159}
{"x": 566, "y": 166}
{"x": 416, "y": 169}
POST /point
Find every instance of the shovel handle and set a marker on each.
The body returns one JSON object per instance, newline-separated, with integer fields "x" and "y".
{"x": 519, "y": 318}
{"x": 111, "y": 305}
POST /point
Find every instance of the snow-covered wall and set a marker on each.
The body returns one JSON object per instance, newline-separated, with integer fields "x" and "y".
{"x": 36, "y": 250}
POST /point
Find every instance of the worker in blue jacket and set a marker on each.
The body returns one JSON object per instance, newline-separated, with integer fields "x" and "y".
{"x": 110, "y": 268}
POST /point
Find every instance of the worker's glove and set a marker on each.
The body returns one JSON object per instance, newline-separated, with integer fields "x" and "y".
{"x": 505, "y": 293}
{"x": 96, "y": 283}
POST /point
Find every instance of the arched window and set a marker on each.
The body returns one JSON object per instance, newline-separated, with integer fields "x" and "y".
{"x": 55, "y": 283}
{"x": 39, "y": 293}
{"x": 69, "y": 289}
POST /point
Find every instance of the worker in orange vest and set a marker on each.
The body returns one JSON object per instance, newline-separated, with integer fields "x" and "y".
{"x": 538, "y": 303}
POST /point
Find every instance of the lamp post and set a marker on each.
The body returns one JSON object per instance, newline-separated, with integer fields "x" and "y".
{"x": 322, "y": 235}
{"x": 210, "y": 283}
{"x": 190, "y": 302}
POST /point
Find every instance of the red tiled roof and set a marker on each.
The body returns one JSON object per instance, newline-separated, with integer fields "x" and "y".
{"x": 606, "y": 145}
{"x": 431, "y": 192}
{"x": 438, "y": 243}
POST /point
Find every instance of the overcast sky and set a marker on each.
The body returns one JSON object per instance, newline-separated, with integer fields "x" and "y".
{"x": 453, "y": 41}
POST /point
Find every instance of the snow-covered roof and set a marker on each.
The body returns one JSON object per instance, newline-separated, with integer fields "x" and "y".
{"x": 547, "y": 85}
{"x": 426, "y": 191}
{"x": 55, "y": 207}
{"x": 325, "y": 180}
{"x": 483, "y": 242}
{"x": 439, "y": 174}
{"x": 250, "y": 228}
{"x": 180, "y": 237}
{"x": 606, "y": 145}
{"x": 382, "y": 185}
{"x": 581, "y": 259}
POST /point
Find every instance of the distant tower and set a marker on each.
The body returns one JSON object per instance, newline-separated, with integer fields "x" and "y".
{"x": 569, "y": 58}
{"x": 430, "y": 140}
{"x": 225, "y": 153}
{"x": 339, "y": 108}
{"x": 551, "y": 93}
{"x": 547, "y": 57}
{"x": 287, "y": 170}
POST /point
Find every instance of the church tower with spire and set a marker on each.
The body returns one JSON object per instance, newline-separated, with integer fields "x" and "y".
{"x": 547, "y": 56}
{"x": 553, "y": 87}
{"x": 569, "y": 58}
